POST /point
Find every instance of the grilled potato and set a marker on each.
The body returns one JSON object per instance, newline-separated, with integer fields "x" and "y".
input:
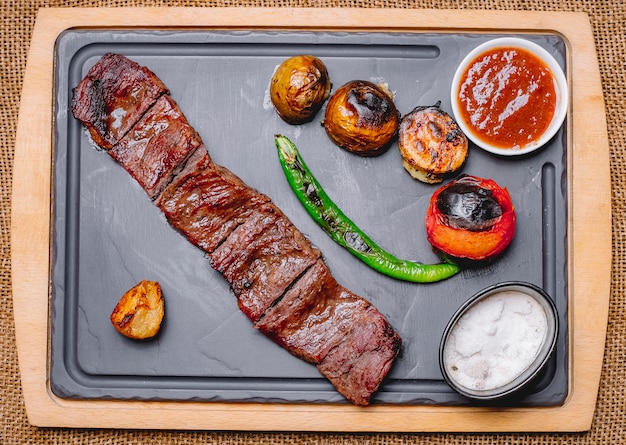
{"x": 139, "y": 312}
{"x": 431, "y": 144}
{"x": 299, "y": 88}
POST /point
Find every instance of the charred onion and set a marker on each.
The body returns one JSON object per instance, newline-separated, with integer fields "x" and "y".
{"x": 431, "y": 144}
{"x": 361, "y": 118}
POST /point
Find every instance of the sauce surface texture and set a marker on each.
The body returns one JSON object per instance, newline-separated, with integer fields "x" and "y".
{"x": 508, "y": 97}
{"x": 495, "y": 341}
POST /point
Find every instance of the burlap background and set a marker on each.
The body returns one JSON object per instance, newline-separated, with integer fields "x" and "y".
{"x": 608, "y": 18}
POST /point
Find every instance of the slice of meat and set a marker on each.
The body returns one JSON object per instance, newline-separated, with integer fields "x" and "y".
{"x": 320, "y": 321}
{"x": 305, "y": 321}
{"x": 206, "y": 202}
{"x": 262, "y": 257}
{"x": 156, "y": 148}
{"x": 359, "y": 364}
{"x": 112, "y": 97}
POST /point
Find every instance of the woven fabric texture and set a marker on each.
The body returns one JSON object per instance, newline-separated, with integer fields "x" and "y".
{"x": 608, "y": 18}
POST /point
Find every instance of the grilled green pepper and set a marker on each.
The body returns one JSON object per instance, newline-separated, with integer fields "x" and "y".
{"x": 343, "y": 231}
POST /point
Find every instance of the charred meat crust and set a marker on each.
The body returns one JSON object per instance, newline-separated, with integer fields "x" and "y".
{"x": 279, "y": 278}
{"x": 113, "y": 96}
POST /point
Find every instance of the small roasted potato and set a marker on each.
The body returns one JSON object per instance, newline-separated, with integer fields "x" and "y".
{"x": 431, "y": 144}
{"x": 299, "y": 88}
{"x": 362, "y": 118}
{"x": 140, "y": 311}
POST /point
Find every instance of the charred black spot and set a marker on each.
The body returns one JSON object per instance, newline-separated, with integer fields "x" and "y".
{"x": 355, "y": 241}
{"x": 453, "y": 135}
{"x": 372, "y": 106}
{"x": 468, "y": 206}
{"x": 311, "y": 192}
{"x": 330, "y": 221}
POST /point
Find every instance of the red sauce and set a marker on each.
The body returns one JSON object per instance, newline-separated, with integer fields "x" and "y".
{"x": 507, "y": 96}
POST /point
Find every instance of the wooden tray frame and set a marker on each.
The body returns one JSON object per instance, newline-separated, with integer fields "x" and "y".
{"x": 588, "y": 225}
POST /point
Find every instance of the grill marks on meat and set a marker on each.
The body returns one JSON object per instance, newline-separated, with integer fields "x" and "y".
{"x": 206, "y": 202}
{"x": 279, "y": 278}
{"x": 157, "y": 146}
{"x": 112, "y": 97}
{"x": 307, "y": 321}
{"x": 261, "y": 258}
{"x": 348, "y": 339}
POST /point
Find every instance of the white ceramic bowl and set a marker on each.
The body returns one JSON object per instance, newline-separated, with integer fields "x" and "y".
{"x": 561, "y": 87}
{"x": 498, "y": 342}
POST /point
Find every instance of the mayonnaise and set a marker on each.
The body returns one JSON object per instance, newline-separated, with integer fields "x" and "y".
{"x": 495, "y": 341}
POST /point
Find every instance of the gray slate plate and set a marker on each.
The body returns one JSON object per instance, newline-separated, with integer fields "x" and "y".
{"x": 108, "y": 235}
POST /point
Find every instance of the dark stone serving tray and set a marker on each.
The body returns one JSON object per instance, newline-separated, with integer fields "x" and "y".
{"x": 107, "y": 235}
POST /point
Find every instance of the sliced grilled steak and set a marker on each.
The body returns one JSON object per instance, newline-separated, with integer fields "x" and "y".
{"x": 206, "y": 202}
{"x": 305, "y": 321}
{"x": 358, "y": 365}
{"x": 279, "y": 278}
{"x": 322, "y": 322}
{"x": 112, "y": 97}
{"x": 157, "y": 146}
{"x": 262, "y": 257}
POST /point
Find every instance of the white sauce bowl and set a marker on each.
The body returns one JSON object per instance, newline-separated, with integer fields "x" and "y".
{"x": 498, "y": 341}
{"x": 561, "y": 88}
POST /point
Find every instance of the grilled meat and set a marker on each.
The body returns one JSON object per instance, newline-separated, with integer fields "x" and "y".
{"x": 157, "y": 146}
{"x": 206, "y": 202}
{"x": 343, "y": 334}
{"x": 358, "y": 365}
{"x": 112, "y": 97}
{"x": 301, "y": 322}
{"x": 277, "y": 275}
{"x": 261, "y": 258}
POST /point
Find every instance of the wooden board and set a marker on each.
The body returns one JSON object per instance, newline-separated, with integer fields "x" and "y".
{"x": 589, "y": 230}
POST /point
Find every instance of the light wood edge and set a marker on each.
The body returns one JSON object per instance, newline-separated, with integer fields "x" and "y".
{"x": 589, "y": 230}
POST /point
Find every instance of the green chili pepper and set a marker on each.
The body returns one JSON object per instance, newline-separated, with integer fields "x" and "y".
{"x": 343, "y": 231}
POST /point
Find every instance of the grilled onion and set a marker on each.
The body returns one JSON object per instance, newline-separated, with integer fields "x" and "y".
{"x": 361, "y": 118}
{"x": 431, "y": 144}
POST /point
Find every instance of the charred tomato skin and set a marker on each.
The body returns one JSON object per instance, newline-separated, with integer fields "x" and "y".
{"x": 481, "y": 237}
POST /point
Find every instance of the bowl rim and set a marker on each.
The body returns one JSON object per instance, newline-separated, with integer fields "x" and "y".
{"x": 529, "y": 374}
{"x": 562, "y": 105}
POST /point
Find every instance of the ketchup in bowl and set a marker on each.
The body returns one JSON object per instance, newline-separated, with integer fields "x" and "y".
{"x": 508, "y": 95}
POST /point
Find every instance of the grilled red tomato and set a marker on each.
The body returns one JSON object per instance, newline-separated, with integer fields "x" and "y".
{"x": 470, "y": 219}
